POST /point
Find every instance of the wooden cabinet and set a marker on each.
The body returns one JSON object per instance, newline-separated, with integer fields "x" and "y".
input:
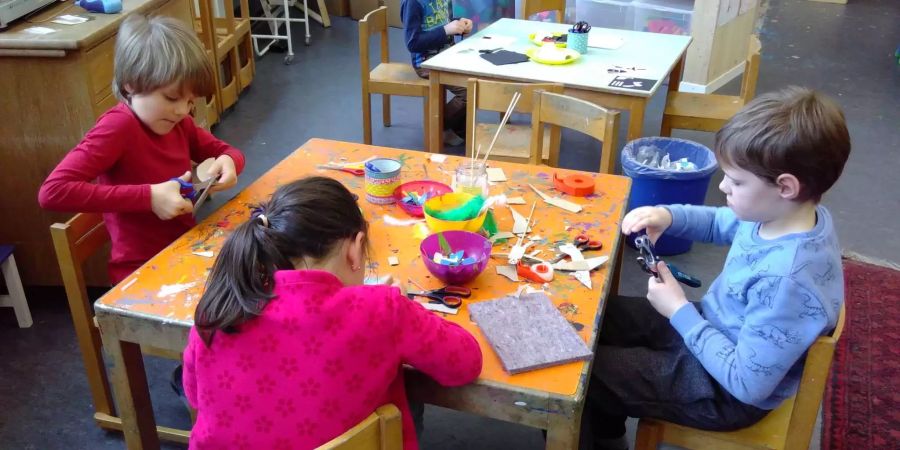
{"x": 53, "y": 87}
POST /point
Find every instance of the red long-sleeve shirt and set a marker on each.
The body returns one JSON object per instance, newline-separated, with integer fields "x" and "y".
{"x": 319, "y": 358}
{"x": 125, "y": 158}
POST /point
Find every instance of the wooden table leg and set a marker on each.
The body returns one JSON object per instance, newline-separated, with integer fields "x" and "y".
{"x": 563, "y": 432}
{"x": 435, "y": 113}
{"x": 636, "y": 118}
{"x": 131, "y": 393}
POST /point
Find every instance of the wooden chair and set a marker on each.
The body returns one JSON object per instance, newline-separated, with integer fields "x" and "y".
{"x": 230, "y": 33}
{"x": 380, "y": 431}
{"x": 709, "y": 112}
{"x": 200, "y": 11}
{"x": 532, "y": 7}
{"x": 386, "y": 78}
{"x": 789, "y": 426}
{"x": 75, "y": 241}
{"x": 559, "y": 110}
{"x": 16, "y": 297}
{"x": 515, "y": 140}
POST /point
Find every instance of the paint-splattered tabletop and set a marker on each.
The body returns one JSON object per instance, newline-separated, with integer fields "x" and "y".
{"x": 168, "y": 286}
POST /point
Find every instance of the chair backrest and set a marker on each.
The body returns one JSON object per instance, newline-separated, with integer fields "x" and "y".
{"x": 751, "y": 70}
{"x": 74, "y": 242}
{"x": 532, "y": 7}
{"x": 559, "y": 110}
{"x": 374, "y": 22}
{"x": 812, "y": 387}
{"x": 380, "y": 431}
{"x": 495, "y": 96}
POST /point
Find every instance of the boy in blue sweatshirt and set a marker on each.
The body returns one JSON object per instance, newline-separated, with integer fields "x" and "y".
{"x": 725, "y": 363}
{"x": 429, "y": 29}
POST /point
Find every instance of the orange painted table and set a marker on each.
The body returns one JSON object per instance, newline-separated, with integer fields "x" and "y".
{"x": 155, "y": 305}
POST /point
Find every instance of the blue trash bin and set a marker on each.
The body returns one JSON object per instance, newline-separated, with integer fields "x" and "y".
{"x": 653, "y": 186}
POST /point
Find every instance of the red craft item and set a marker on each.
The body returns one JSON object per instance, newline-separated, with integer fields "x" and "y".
{"x": 539, "y": 273}
{"x": 577, "y": 184}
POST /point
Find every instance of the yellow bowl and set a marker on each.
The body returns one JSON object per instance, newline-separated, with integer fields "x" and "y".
{"x": 448, "y": 201}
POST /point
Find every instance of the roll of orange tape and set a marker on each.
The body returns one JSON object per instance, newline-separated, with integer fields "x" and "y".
{"x": 577, "y": 184}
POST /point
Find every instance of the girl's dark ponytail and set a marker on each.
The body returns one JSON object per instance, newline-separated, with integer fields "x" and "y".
{"x": 302, "y": 219}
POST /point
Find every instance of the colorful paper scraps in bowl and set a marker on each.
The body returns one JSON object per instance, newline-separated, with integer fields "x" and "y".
{"x": 412, "y": 195}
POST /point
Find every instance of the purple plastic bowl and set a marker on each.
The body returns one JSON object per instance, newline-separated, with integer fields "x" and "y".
{"x": 471, "y": 244}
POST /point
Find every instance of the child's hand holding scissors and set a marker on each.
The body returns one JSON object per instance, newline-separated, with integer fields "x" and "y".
{"x": 652, "y": 218}
{"x": 665, "y": 295}
{"x": 223, "y": 171}
{"x": 166, "y": 200}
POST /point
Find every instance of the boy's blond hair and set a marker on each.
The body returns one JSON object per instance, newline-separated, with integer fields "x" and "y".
{"x": 794, "y": 130}
{"x": 155, "y": 52}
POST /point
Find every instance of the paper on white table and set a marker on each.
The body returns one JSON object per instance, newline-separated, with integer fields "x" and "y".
{"x": 605, "y": 41}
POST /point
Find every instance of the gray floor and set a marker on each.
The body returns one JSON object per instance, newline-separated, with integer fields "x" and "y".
{"x": 845, "y": 51}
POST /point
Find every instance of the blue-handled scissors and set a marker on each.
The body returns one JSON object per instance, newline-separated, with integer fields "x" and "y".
{"x": 648, "y": 262}
{"x": 196, "y": 192}
{"x": 449, "y": 296}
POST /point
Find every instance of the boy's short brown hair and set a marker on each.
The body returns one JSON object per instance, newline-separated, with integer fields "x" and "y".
{"x": 155, "y": 52}
{"x": 796, "y": 131}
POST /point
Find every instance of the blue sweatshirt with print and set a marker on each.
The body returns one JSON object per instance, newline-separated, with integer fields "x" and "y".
{"x": 769, "y": 304}
{"x": 424, "y": 22}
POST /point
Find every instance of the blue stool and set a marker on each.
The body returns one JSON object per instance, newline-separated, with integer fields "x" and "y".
{"x": 16, "y": 296}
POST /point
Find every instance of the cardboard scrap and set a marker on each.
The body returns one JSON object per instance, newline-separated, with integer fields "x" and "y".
{"x": 528, "y": 332}
{"x": 515, "y": 201}
{"x": 495, "y": 174}
{"x": 393, "y": 260}
{"x": 508, "y": 271}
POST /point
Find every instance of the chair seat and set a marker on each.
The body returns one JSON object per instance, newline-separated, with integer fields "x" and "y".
{"x": 397, "y": 79}
{"x": 706, "y": 106}
{"x": 513, "y": 143}
{"x": 770, "y": 432}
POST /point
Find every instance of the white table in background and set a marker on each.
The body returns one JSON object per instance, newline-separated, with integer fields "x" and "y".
{"x": 658, "y": 55}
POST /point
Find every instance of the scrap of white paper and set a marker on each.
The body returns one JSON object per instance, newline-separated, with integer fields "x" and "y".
{"x": 515, "y": 201}
{"x": 393, "y": 260}
{"x": 39, "y": 30}
{"x": 170, "y": 289}
{"x": 205, "y": 254}
{"x": 68, "y": 19}
{"x": 436, "y": 158}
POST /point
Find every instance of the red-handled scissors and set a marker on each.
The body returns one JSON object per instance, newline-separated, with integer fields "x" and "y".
{"x": 583, "y": 243}
{"x": 449, "y": 296}
{"x": 355, "y": 172}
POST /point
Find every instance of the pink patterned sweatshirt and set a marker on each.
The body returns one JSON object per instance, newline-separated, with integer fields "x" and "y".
{"x": 320, "y": 358}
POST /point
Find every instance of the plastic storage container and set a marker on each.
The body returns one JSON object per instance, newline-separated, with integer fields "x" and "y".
{"x": 663, "y": 16}
{"x": 651, "y": 186}
{"x": 617, "y": 14}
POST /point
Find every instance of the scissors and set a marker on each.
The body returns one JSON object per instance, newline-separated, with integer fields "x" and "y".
{"x": 648, "y": 262}
{"x": 584, "y": 243}
{"x": 196, "y": 192}
{"x": 449, "y": 296}
{"x": 581, "y": 27}
{"x": 354, "y": 172}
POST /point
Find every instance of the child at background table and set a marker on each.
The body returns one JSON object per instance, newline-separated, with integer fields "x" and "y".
{"x": 429, "y": 28}
{"x": 289, "y": 349}
{"x": 725, "y": 364}
{"x": 138, "y": 146}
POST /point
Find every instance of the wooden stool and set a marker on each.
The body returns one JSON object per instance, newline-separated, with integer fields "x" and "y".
{"x": 16, "y": 296}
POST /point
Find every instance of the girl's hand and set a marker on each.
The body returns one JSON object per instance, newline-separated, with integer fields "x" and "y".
{"x": 224, "y": 172}
{"x": 666, "y": 296}
{"x": 654, "y": 219}
{"x": 166, "y": 200}
{"x": 400, "y": 285}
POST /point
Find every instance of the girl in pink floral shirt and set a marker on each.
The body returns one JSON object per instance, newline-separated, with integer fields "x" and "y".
{"x": 289, "y": 349}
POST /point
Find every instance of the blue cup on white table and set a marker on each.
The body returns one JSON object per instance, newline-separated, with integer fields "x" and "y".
{"x": 578, "y": 37}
